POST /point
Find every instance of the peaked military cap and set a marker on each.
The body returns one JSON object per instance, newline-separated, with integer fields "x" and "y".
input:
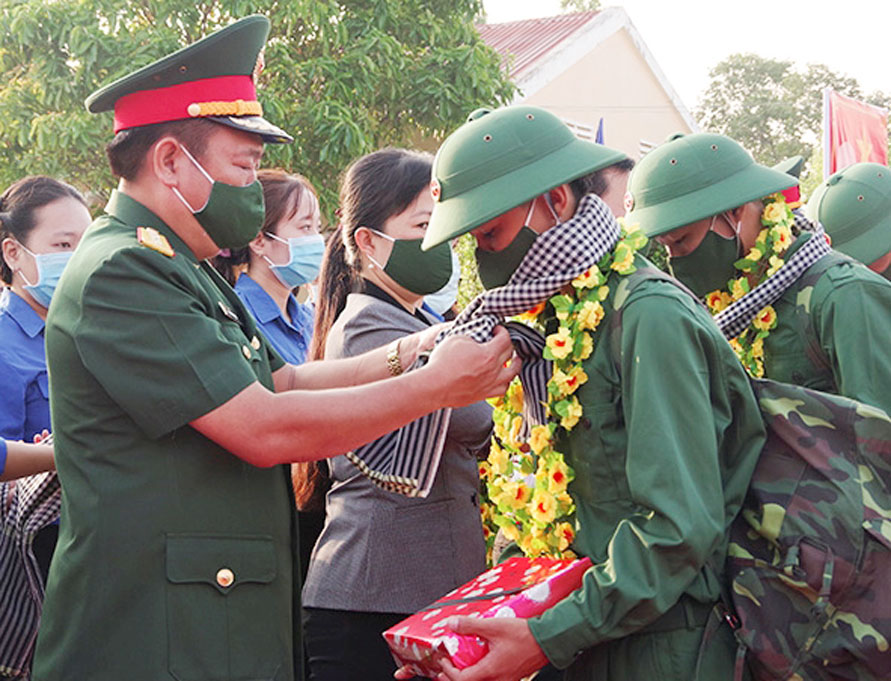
{"x": 212, "y": 78}
{"x": 692, "y": 177}
{"x": 791, "y": 166}
{"x": 500, "y": 159}
{"x": 854, "y": 207}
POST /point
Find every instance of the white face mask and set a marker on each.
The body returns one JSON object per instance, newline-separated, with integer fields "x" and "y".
{"x": 444, "y": 298}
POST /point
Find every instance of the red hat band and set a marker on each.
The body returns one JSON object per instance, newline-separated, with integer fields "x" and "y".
{"x": 221, "y": 96}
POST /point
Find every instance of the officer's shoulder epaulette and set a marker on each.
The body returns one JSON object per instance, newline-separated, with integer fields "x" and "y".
{"x": 152, "y": 238}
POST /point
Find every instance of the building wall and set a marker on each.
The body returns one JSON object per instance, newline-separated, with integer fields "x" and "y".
{"x": 613, "y": 81}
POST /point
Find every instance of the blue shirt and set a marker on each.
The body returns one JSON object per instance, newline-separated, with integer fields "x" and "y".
{"x": 24, "y": 397}
{"x": 290, "y": 339}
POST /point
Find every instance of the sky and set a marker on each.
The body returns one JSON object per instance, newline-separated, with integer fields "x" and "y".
{"x": 689, "y": 37}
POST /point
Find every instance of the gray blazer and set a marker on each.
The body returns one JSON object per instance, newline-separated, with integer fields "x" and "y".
{"x": 381, "y": 551}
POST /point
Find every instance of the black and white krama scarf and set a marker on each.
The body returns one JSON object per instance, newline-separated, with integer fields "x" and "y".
{"x": 406, "y": 460}
{"x": 734, "y": 319}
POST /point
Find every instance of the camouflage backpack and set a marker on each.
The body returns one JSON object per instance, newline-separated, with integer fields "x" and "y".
{"x": 809, "y": 564}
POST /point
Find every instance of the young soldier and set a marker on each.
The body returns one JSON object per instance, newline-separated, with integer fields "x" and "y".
{"x": 854, "y": 207}
{"x": 669, "y": 431}
{"x": 821, "y": 321}
{"x": 172, "y": 414}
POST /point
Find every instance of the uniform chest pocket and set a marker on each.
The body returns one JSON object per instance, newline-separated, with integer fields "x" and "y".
{"x": 797, "y": 368}
{"x": 597, "y": 445}
{"x": 228, "y": 609}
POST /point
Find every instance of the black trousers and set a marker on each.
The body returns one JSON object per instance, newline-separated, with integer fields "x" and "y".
{"x": 342, "y": 645}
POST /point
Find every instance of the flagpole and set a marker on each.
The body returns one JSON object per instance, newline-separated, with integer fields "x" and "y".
{"x": 826, "y": 153}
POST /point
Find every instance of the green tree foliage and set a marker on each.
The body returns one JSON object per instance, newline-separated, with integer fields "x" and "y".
{"x": 772, "y": 107}
{"x": 579, "y": 5}
{"x": 344, "y": 77}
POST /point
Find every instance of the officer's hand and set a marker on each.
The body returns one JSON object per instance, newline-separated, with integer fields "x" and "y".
{"x": 513, "y": 651}
{"x": 469, "y": 371}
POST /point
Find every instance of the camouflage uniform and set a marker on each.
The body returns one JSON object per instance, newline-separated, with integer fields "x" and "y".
{"x": 662, "y": 458}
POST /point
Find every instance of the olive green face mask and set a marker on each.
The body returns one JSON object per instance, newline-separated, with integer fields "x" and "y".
{"x": 421, "y": 272}
{"x": 710, "y": 266}
{"x": 233, "y": 215}
{"x": 497, "y": 267}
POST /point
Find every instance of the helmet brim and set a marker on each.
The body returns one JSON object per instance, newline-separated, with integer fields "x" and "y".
{"x": 461, "y": 214}
{"x": 753, "y": 182}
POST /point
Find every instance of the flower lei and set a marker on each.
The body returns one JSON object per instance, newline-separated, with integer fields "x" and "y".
{"x": 525, "y": 494}
{"x": 759, "y": 264}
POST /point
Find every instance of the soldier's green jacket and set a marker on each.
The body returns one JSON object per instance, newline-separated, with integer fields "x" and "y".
{"x": 174, "y": 557}
{"x": 849, "y": 311}
{"x": 662, "y": 458}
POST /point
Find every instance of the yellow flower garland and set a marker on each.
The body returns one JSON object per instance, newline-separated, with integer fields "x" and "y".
{"x": 761, "y": 261}
{"x": 525, "y": 490}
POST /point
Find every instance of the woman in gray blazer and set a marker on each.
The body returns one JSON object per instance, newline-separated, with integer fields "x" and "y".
{"x": 381, "y": 555}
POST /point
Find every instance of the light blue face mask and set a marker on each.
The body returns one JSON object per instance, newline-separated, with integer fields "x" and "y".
{"x": 444, "y": 298}
{"x": 304, "y": 261}
{"x": 49, "y": 269}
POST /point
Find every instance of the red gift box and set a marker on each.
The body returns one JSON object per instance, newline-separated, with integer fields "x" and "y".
{"x": 519, "y": 587}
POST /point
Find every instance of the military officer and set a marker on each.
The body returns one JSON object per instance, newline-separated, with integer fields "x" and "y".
{"x": 854, "y": 207}
{"x": 718, "y": 214}
{"x": 173, "y": 416}
{"x": 668, "y": 439}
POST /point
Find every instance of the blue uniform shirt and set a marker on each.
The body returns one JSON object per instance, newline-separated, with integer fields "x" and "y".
{"x": 24, "y": 399}
{"x": 290, "y": 339}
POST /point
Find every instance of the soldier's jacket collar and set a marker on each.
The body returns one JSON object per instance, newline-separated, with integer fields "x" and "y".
{"x": 131, "y": 212}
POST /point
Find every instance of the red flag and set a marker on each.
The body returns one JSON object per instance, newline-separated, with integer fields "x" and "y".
{"x": 854, "y": 132}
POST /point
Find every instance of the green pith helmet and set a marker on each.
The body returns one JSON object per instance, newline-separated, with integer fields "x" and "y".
{"x": 500, "y": 159}
{"x": 854, "y": 206}
{"x": 694, "y": 177}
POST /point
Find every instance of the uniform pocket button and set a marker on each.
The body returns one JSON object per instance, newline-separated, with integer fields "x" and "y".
{"x": 225, "y": 577}
{"x": 246, "y": 351}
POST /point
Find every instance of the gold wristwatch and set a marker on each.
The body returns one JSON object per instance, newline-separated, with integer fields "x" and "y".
{"x": 393, "y": 363}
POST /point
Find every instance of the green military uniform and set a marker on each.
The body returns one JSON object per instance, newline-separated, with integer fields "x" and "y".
{"x": 175, "y": 558}
{"x": 669, "y": 438}
{"x": 831, "y": 334}
{"x": 667, "y": 405}
{"x": 833, "y": 321}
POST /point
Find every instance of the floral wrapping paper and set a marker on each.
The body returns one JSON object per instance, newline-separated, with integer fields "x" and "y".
{"x": 519, "y": 587}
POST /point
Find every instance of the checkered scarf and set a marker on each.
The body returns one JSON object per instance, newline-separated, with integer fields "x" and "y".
{"x": 407, "y": 459}
{"x": 734, "y": 319}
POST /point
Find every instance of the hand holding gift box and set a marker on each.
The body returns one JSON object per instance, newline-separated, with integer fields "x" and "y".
{"x": 518, "y": 588}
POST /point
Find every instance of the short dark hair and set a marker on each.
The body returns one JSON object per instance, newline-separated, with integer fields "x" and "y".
{"x": 595, "y": 183}
{"x": 19, "y": 203}
{"x": 126, "y": 151}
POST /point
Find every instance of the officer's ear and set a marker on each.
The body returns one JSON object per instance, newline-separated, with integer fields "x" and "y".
{"x": 166, "y": 160}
